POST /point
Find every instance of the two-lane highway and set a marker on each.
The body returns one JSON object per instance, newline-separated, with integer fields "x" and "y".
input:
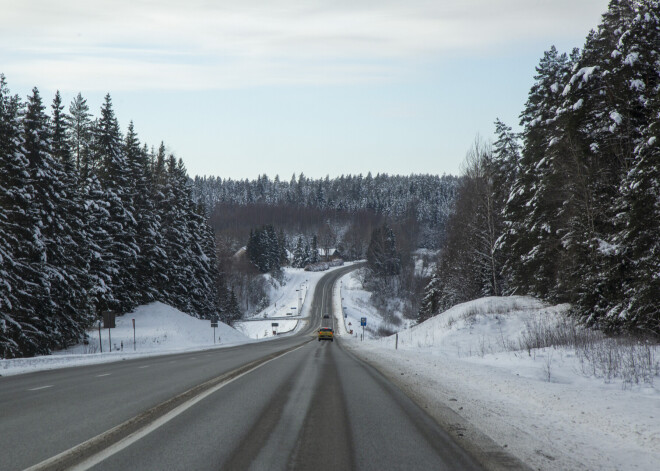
{"x": 289, "y": 403}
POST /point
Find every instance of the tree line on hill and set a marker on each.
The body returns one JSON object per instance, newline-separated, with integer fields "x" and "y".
{"x": 569, "y": 209}
{"x": 303, "y": 204}
{"x": 92, "y": 220}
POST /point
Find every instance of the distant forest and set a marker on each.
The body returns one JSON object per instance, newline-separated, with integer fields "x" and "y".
{"x": 302, "y": 204}
{"x": 569, "y": 210}
{"x": 340, "y": 213}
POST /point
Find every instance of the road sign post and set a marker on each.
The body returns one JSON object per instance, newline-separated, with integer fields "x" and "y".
{"x": 100, "y": 339}
{"x": 363, "y": 323}
{"x": 109, "y": 322}
{"x": 214, "y": 324}
{"x": 133, "y": 334}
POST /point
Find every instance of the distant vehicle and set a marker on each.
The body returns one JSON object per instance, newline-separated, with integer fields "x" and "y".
{"x": 326, "y": 333}
{"x": 326, "y": 316}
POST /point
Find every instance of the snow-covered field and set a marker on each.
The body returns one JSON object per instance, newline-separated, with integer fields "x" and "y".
{"x": 159, "y": 329}
{"x": 542, "y": 405}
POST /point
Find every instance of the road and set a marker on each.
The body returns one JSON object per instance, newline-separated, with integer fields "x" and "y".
{"x": 289, "y": 403}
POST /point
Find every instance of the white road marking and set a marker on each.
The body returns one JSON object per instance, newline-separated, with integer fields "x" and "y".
{"x": 104, "y": 374}
{"x": 41, "y": 387}
{"x": 145, "y": 366}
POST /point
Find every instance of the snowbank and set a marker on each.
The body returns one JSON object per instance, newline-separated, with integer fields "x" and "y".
{"x": 354, "y": 302}
{"x": 159, "y": 329}
{"x": 540, "y": 405}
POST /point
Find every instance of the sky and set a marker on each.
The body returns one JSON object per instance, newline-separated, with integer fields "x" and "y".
{"x": 239, "y": 88}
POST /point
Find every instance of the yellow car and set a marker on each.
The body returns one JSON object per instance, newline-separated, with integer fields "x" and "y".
{"x": 325, "y": 333}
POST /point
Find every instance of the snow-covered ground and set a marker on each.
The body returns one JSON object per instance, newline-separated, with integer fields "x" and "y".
{"x": 289, "y": 304}
{"x": 356, "y": 304}
{"x": 159, "y": 329}
{"x": 541, "y": 405}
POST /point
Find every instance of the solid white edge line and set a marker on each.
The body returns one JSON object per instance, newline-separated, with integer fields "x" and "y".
{"x": 137, "y": 435}
{"x": 41, "y": 387}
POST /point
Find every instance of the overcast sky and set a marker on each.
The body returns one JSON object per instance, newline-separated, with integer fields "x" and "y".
{"x": 239, "y": 88}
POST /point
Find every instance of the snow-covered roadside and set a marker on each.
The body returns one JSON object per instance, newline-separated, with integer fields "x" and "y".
{"x": 159, "y": 329}
{"x": 286, "y": 300}
{"x": 353, "y": 301}
{"x": 538, "y": 407}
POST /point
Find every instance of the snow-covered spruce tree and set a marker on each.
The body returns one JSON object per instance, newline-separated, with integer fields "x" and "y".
{"x": 79, "y": 130}
{"x": 383, "y": 258}
{"x": 636, "y": 246}
{"x": 232, "y": 309}
{"x": 638, "y": 242}
{"x": 265, "y": 249}
{"x": 604, "y": 113}
{"x": 505, "y": 168}
{"x": 299, "y": 255}
{"x": 72, "y": 249}
{"x": 176, "y": 238}
{"x": 530, "y": 237}
{"x": 155, "y": 252}
{"x": 188, "y": 243}
{"x": 256, "y": 251}
{"x": 102, "y": 267}
{"x": 58, "y": 311}
{"x": 283, "y": 255}
{"x": 431, "y": 301}
{"x": 204, "y": 296}
{"x": 21, "y": 247}
{"x": 150, "y": 273}
{"x": 118, "y": 186}
{"x": 314, "y": 256}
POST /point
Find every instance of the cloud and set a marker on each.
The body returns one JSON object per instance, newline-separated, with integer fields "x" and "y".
{"x": 201, "y": 44}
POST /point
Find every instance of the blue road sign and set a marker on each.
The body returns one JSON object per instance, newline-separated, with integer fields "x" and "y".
{"x": 363, "y": 321}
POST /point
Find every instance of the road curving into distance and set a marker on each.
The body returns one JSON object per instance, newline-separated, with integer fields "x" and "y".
{"x": 288, "y": 403}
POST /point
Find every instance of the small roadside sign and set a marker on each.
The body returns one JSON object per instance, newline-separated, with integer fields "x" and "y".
{"x": 363, "y": 321}
{"x": 214, "y": 324}
{"x": 108, "y": 319}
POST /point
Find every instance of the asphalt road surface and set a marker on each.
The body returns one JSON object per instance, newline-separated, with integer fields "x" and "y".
{"x": 288, "y": 403}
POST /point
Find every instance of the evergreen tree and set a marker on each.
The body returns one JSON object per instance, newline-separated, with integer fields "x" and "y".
{"x": 383, "y": 257}
{"x": 636, "y": 243}
{"x": 119, "y": 187}
{"x": 62, "y": 308}
{"x": 299, "y": 256}
{"x": 80, "y": 134}
{"x": 432, "y": 298}
{"x": 530, "y": 237}
{"x": 314, "y": 256}
{"x": 21, "y": 246}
